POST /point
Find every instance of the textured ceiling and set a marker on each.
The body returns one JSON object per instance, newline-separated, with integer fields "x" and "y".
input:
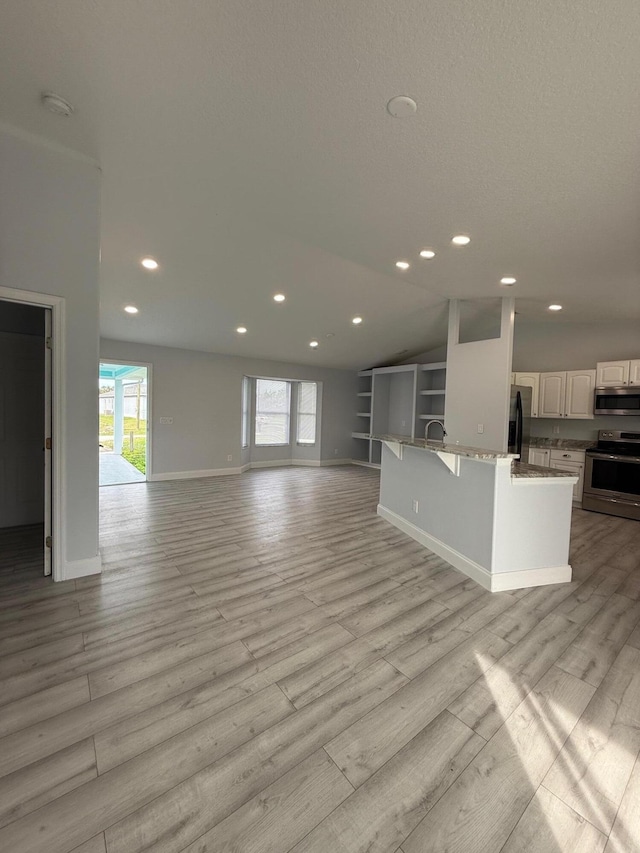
{"x": 245, "y": 144}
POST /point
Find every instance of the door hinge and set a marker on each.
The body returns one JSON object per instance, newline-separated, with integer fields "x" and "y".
{"x": 48, "y": 542}
{"x": 47, "y": 444}
{"x": 48, "y": 343}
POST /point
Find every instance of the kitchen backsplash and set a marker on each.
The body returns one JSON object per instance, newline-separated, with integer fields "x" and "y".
{"x": 582, "y": 429}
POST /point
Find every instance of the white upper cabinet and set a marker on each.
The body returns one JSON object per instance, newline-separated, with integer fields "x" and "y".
{"x": 609, "y": 373}
{"x": 551, "y": 397}
{"x": 579, "y": 393}
{"x": 530, "y": 380}
{"x": 567, "y": 394}
{"x": 634, "y": 371}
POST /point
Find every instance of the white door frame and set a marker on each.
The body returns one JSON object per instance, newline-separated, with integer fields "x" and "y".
{"x": 149, "y": 366}
{"x": 58, "y": 397}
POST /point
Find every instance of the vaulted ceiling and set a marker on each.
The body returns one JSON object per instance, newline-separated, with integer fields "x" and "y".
{"x": 246, "y": 145}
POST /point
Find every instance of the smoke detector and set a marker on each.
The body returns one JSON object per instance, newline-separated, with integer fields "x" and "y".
{"x": 55, "y": 104}
{"x": 402, "y": 106}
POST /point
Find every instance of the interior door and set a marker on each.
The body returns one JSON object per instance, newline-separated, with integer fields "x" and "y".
{"x": 48, "y": 441}
{"x": 21, "y": 421}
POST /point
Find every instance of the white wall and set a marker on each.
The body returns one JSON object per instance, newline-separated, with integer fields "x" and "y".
{"x": 202, "y": 393}
{"x": 49, "y": 243}
{"x": 565, "y": 346}
{"x": 478, "y": 385}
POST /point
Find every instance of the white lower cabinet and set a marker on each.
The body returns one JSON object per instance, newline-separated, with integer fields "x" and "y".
{"x": 539, "y": 456}
{"x": 570, "y": 460}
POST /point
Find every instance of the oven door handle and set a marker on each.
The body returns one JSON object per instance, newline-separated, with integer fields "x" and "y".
{"x": 631, "y": 459}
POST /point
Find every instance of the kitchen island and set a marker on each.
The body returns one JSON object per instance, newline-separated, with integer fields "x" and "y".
{"x": 502, "y": 523}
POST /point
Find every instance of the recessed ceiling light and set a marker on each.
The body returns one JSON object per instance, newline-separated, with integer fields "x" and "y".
{"x": 279, "y": 297}
{"x": 241, "y": 330}
{"x": 149, "y": 263}
{"x": 427, "y": 253}
{"x": 131, "y": 309}
{"x": 555, "y": 307}
{"x": 403, "y": 265}
{"x": 330, "y": 335}
{"x": 507, "y": 280}
{"x": 461, "y": 240}
{"x": 356, "y": 321}
{"x": 313, "y": 344}
{"x": 55, "y": 104}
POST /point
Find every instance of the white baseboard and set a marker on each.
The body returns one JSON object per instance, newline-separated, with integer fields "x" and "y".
{"x": 364, "y": 464}
{"x": 80, "y": 568}
{"x": 493, "y": 581}
{"x": 223, "y": 472}
{"x": 192, "y": 475}
{"x": 271, "y": 463}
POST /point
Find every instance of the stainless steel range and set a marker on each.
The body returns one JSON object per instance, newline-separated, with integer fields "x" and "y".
{"x": 612, "y": 474}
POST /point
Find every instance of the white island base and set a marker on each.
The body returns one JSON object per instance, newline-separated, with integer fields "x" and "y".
{"x": 504, "y": 530}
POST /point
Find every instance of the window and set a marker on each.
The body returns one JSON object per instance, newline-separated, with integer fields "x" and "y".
{"x": 307, "y": 401}
{"x": 273, "y": 405}
{"x": 246, "y": 404}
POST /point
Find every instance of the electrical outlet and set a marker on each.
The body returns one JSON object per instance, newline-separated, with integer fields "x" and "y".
{"x": 404, "y": 423}
{"x": 335, "y": 452}
{"x": 556, "y": 429}
{"x": 480, "y": 429}
{"x": 166, "y": 420}
{"x": 414, "y": 505}
{"x": 229, "y": 458}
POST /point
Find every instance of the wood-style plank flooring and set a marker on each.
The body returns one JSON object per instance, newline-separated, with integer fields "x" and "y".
{"x": 266, "y": 666}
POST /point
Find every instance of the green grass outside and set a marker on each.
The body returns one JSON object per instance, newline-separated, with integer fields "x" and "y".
{"x": 137, "y": 455}
{"x": 130, "y": 425}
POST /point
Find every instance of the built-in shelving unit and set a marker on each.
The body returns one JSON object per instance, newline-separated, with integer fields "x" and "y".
{"x": 431, "y": 394}
{"x": 361, "y": 452}
{"x": 402, "y": 397}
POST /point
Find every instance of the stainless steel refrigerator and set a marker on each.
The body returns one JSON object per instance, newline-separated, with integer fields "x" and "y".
{"x": 520, "y": 421}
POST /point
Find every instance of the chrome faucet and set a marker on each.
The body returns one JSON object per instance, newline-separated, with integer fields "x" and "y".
{"x": 426, "y": 429}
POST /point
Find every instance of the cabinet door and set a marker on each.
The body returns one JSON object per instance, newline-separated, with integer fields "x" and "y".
{"x": 612, "y": 373}
{"x": 538, "y": 456}
{"x": 634, "y": 371}
{"x": 551, "y": 397}
{"x": 530, "y": 380}
{"x": 576, "y": 468}
{"x": 579, "y": 393}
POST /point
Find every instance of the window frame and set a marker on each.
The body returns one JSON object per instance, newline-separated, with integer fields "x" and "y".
{"x": 245, "y": 438}
{"x": 299, "y": 385}
{"x": 258, "y": 413}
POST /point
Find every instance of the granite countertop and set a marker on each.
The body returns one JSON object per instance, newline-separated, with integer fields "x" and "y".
{"x": 562, "y": 443}
{"x": 522, "y": 470}
{"x": 456, "y": 449}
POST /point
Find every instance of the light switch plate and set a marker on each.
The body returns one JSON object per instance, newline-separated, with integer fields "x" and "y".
{"x": 166, "y": 420}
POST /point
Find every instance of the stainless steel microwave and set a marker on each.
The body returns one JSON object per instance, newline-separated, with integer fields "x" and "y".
{"x": 620, "y": 400}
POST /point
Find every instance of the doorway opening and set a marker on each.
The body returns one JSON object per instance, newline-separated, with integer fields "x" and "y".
{"x": 123, "y": 440}
{"x": 25, "y": 440}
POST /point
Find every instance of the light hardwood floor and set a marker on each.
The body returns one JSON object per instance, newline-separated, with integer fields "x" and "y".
{"x": 266, "y": 666}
